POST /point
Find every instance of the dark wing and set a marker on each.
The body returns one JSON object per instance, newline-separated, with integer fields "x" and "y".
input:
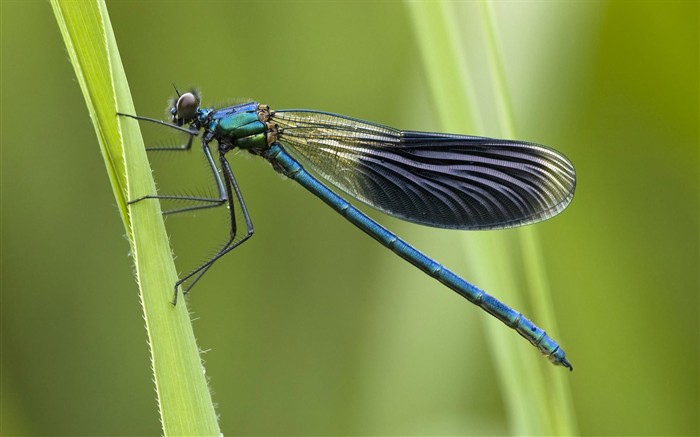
{"x": 441, "y": 180}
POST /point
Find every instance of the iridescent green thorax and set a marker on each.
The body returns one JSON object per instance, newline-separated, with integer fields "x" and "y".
{"x": 243, "y": 126}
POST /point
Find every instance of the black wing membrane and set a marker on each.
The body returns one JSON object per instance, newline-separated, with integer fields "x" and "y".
{"x": 440, "y": 180}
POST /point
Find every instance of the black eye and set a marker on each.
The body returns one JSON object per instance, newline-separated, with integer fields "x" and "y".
{"x": 186, "y": 106}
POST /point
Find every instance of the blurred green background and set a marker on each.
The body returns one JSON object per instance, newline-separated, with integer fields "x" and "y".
{"x": 311, "y": 327}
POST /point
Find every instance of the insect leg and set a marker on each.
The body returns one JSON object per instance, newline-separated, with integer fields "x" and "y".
{"x": 206, "y": 202}
{"x": 232, "y": 191}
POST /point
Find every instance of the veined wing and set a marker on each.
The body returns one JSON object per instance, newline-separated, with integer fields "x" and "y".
{"x": 440, "y": 180}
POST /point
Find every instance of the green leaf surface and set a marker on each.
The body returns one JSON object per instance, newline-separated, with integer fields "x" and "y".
{"x": 183, "y": 396}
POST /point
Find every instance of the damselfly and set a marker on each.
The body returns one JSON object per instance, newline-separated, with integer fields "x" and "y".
{"x": 434, "y": 179}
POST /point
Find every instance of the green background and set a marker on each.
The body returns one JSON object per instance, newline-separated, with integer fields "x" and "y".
{"x": 311, "y": 327}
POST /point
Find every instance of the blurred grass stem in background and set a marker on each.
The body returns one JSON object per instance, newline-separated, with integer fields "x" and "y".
{"x": 181, "y": 387}
{"x": 537, "y": 398}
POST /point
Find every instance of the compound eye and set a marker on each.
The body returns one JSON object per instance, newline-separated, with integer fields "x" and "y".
{"x": 186, "y": 106}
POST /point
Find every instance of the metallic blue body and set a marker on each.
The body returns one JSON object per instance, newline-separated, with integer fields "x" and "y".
{"x": 434, "y": 179}
{"x": 513, "y": 319}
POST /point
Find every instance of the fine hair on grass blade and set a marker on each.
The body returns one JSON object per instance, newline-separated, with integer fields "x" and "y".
{"x": 183, "y": 396}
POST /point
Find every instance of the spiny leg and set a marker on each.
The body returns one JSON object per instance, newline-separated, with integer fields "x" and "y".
{"x": 226, "y": 188}
{"x": 232, "y": 189}
{"x": 208, "y": 202}
{"x": 161, "y": 122}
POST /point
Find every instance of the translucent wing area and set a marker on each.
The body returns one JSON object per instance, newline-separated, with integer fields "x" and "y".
{"x": 440, "y": 180}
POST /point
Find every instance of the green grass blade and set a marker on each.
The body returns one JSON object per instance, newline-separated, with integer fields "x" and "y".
{"x": 556, "y": 394}
{"x": 537, "y": 400}
{"x": 88, "y": 55}
{"x": 183, "y": 396}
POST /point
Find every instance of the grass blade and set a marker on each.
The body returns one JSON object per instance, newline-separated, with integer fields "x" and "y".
{"x": 183, "y": 396}
{"x": 537, "y": 400}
